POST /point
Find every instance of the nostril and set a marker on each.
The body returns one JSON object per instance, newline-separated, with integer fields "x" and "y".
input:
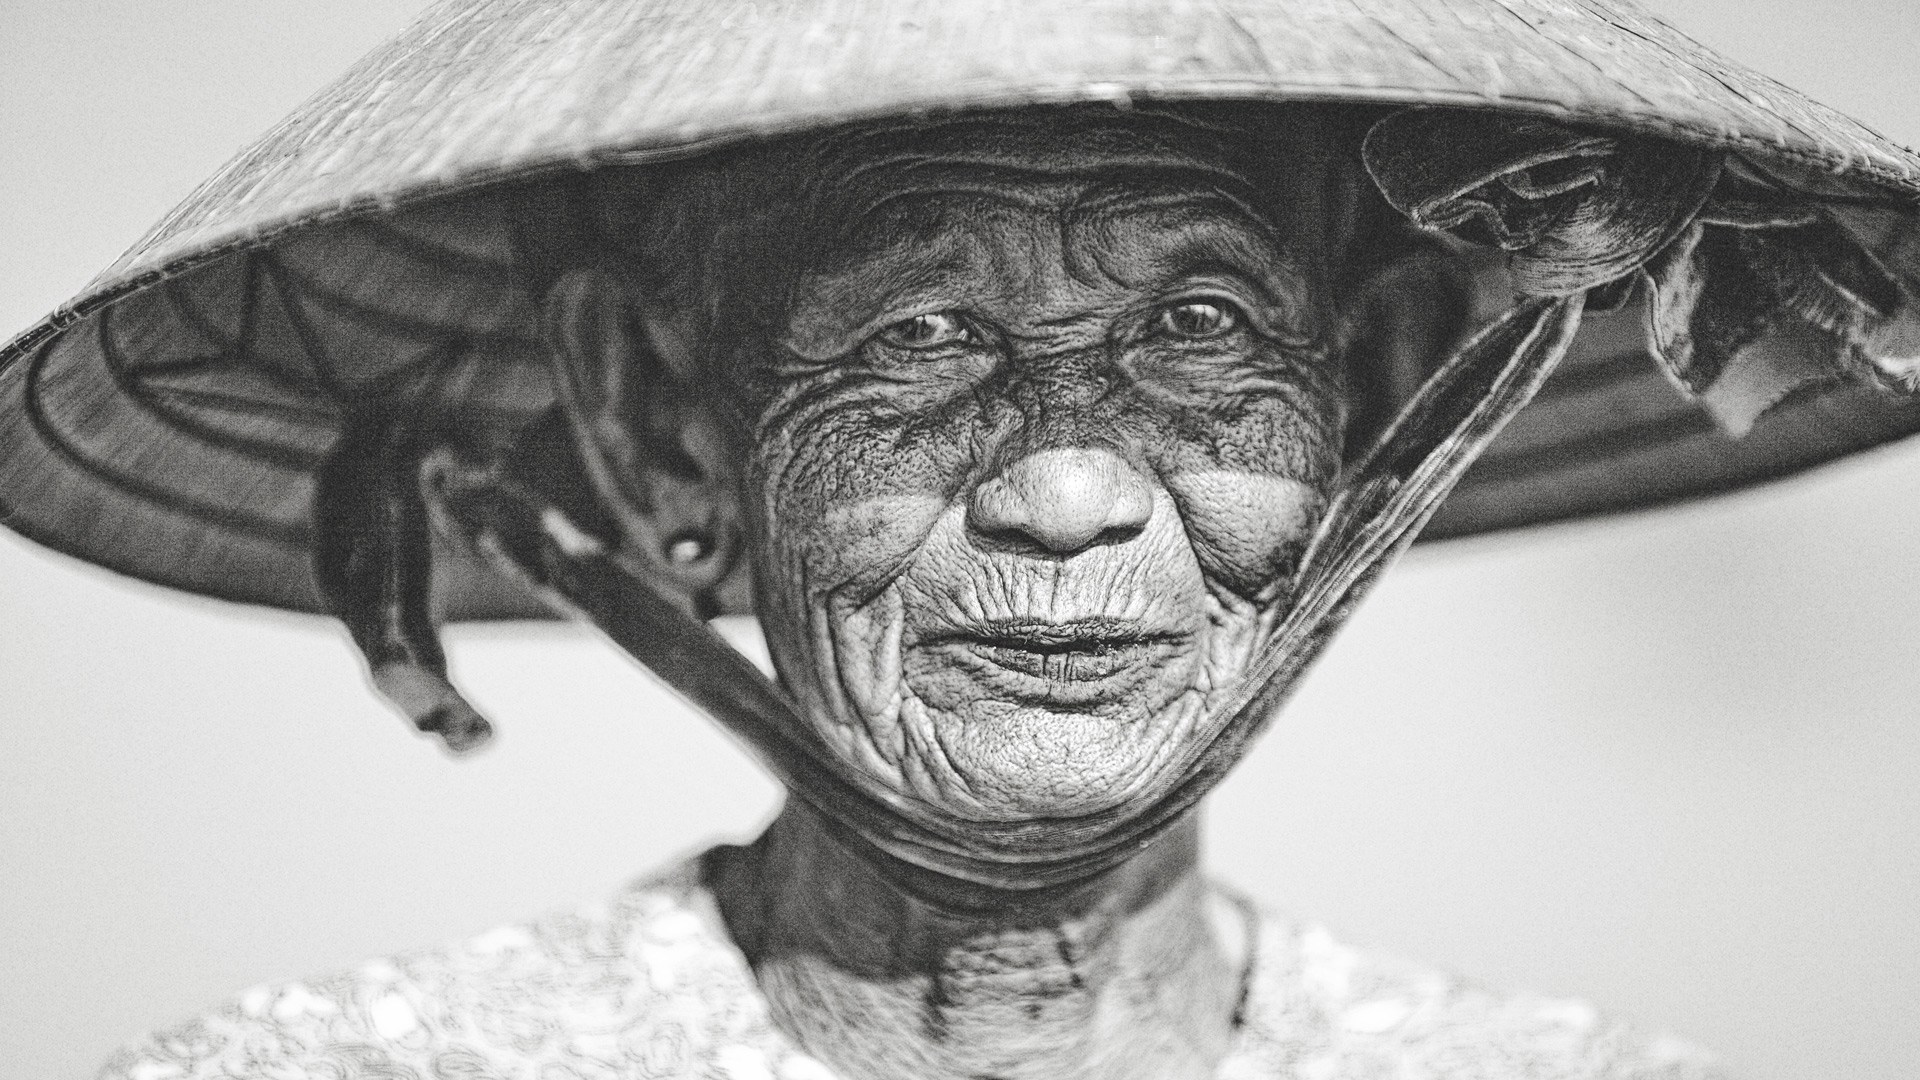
{"x": 1118, "y": 534}
{"x": 1063, "y": 500}
{"x": 1045, "y": 541}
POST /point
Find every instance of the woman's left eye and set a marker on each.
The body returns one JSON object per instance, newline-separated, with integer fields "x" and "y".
{"x": 929, "y": 331}
{"x": 1198, "y": 319}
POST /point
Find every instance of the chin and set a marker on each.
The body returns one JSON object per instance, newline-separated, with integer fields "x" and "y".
{"x": 1021, "y": 762}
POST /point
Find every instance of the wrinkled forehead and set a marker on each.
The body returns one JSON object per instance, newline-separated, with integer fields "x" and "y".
{"x": 874, "y": 184}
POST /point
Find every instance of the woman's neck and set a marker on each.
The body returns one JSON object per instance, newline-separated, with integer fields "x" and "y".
{"x": 1137, "y": 974}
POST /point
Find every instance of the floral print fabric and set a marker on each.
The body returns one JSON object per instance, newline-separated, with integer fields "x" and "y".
{"x": 649, "y": 987}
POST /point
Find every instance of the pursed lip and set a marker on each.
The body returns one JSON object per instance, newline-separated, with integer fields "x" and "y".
{"x": 1054, "y": 659}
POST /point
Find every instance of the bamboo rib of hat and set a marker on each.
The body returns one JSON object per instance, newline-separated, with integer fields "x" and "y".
{"x": 169, "y": 422}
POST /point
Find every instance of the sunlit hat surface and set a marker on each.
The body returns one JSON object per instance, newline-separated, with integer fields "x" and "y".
{"x": 168, "y": 423}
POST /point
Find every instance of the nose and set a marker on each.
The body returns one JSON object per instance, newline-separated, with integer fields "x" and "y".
{"x": 1062, "y": 500}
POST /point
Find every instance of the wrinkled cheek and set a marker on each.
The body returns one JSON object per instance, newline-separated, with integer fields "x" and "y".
{"x": 847, "y": 496}
{"x": 827, "y": 601}
{"x": 1248, "y": 530}
{"x": 850, "y": 495}
{"x": 854, "y": 552}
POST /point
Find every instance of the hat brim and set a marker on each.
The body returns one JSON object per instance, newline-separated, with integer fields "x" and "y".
{"x": 168, "y": 422}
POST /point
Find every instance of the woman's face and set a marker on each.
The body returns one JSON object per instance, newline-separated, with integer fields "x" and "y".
{"x": 1036, "y": 448}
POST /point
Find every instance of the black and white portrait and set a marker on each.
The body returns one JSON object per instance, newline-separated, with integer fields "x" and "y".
{"x": 588, "y": 539}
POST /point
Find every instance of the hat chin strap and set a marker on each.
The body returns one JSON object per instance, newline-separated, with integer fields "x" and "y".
{"x": 1388, "y": 496}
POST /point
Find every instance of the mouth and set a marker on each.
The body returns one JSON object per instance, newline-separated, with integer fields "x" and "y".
{"x": 1090, "y": 659}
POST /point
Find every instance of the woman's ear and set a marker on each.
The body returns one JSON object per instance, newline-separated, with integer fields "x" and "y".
{"x": 649, "y": 441}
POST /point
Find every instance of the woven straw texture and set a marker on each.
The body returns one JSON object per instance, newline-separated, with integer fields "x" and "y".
{"x": 478, "y": 90}
{"x": 168, "y": 422}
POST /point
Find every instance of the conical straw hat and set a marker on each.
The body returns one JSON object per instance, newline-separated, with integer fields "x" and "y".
{"x": 168, "y": 422}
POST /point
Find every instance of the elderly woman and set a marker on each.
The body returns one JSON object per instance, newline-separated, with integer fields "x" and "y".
{"x": 1049, "y": 443}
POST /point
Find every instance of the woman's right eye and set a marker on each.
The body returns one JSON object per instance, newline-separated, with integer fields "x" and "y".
{"x": 930, "y": 331}
{"x": 1195, "y": 320}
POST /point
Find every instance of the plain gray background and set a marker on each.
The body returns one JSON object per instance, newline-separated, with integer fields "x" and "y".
{"x": 1669, "y": 762}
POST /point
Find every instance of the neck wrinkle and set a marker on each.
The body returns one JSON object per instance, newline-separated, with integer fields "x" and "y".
{"x": 1120, "y": 977}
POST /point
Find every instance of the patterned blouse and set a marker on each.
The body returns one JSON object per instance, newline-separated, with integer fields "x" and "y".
{"x": 650, "y": 987}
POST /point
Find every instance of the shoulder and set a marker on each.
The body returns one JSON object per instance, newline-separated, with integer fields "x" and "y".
{"x": 646, "y": 985}
{"x": 1316, "y": 1007}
